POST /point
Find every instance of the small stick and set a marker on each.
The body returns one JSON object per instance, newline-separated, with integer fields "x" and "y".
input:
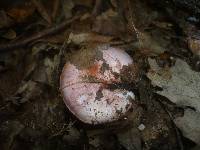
{"x": 45, "y": 32}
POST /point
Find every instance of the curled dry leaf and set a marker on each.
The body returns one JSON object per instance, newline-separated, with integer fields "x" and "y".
{"x": 182, "y": 88}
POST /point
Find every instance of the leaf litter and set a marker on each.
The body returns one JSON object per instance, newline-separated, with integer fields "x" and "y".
{"x": 181, "y": 85}
{"x": 32, "y": 113}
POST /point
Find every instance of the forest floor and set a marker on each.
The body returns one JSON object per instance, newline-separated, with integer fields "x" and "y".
{"x": 37, "y": 37}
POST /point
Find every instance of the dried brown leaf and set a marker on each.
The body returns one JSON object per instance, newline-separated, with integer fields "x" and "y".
{"x": 182, "y": 88}
{"x": 22, "y": 12}
{"x": 88, "y": 37}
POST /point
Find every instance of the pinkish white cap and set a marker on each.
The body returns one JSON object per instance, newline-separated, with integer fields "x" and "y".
{"x": 92, "y": 102}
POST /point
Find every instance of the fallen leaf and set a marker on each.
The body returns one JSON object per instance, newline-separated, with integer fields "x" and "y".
{"x": 88, "y": 37}
{"x": 45, "y": 70}
{"x": 67, "y": 6}
{"x": 189, "y": 125}
{"x": 148, "y": 45}
{"x": 109, "y": 23}
{"x": 22, "y": 12}
{"x": 182, "y": 88}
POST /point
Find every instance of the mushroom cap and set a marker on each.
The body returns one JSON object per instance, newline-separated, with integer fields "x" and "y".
{"x": 85, "y": 89}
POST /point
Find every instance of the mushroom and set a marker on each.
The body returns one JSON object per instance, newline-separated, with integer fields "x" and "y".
{"x": 85, "y": 81}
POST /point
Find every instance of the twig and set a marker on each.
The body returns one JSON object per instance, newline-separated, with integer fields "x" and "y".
{"x": 52, "y": 30}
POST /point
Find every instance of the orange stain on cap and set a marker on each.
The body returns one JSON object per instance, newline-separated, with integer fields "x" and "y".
{"x": 94, "y": 69}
